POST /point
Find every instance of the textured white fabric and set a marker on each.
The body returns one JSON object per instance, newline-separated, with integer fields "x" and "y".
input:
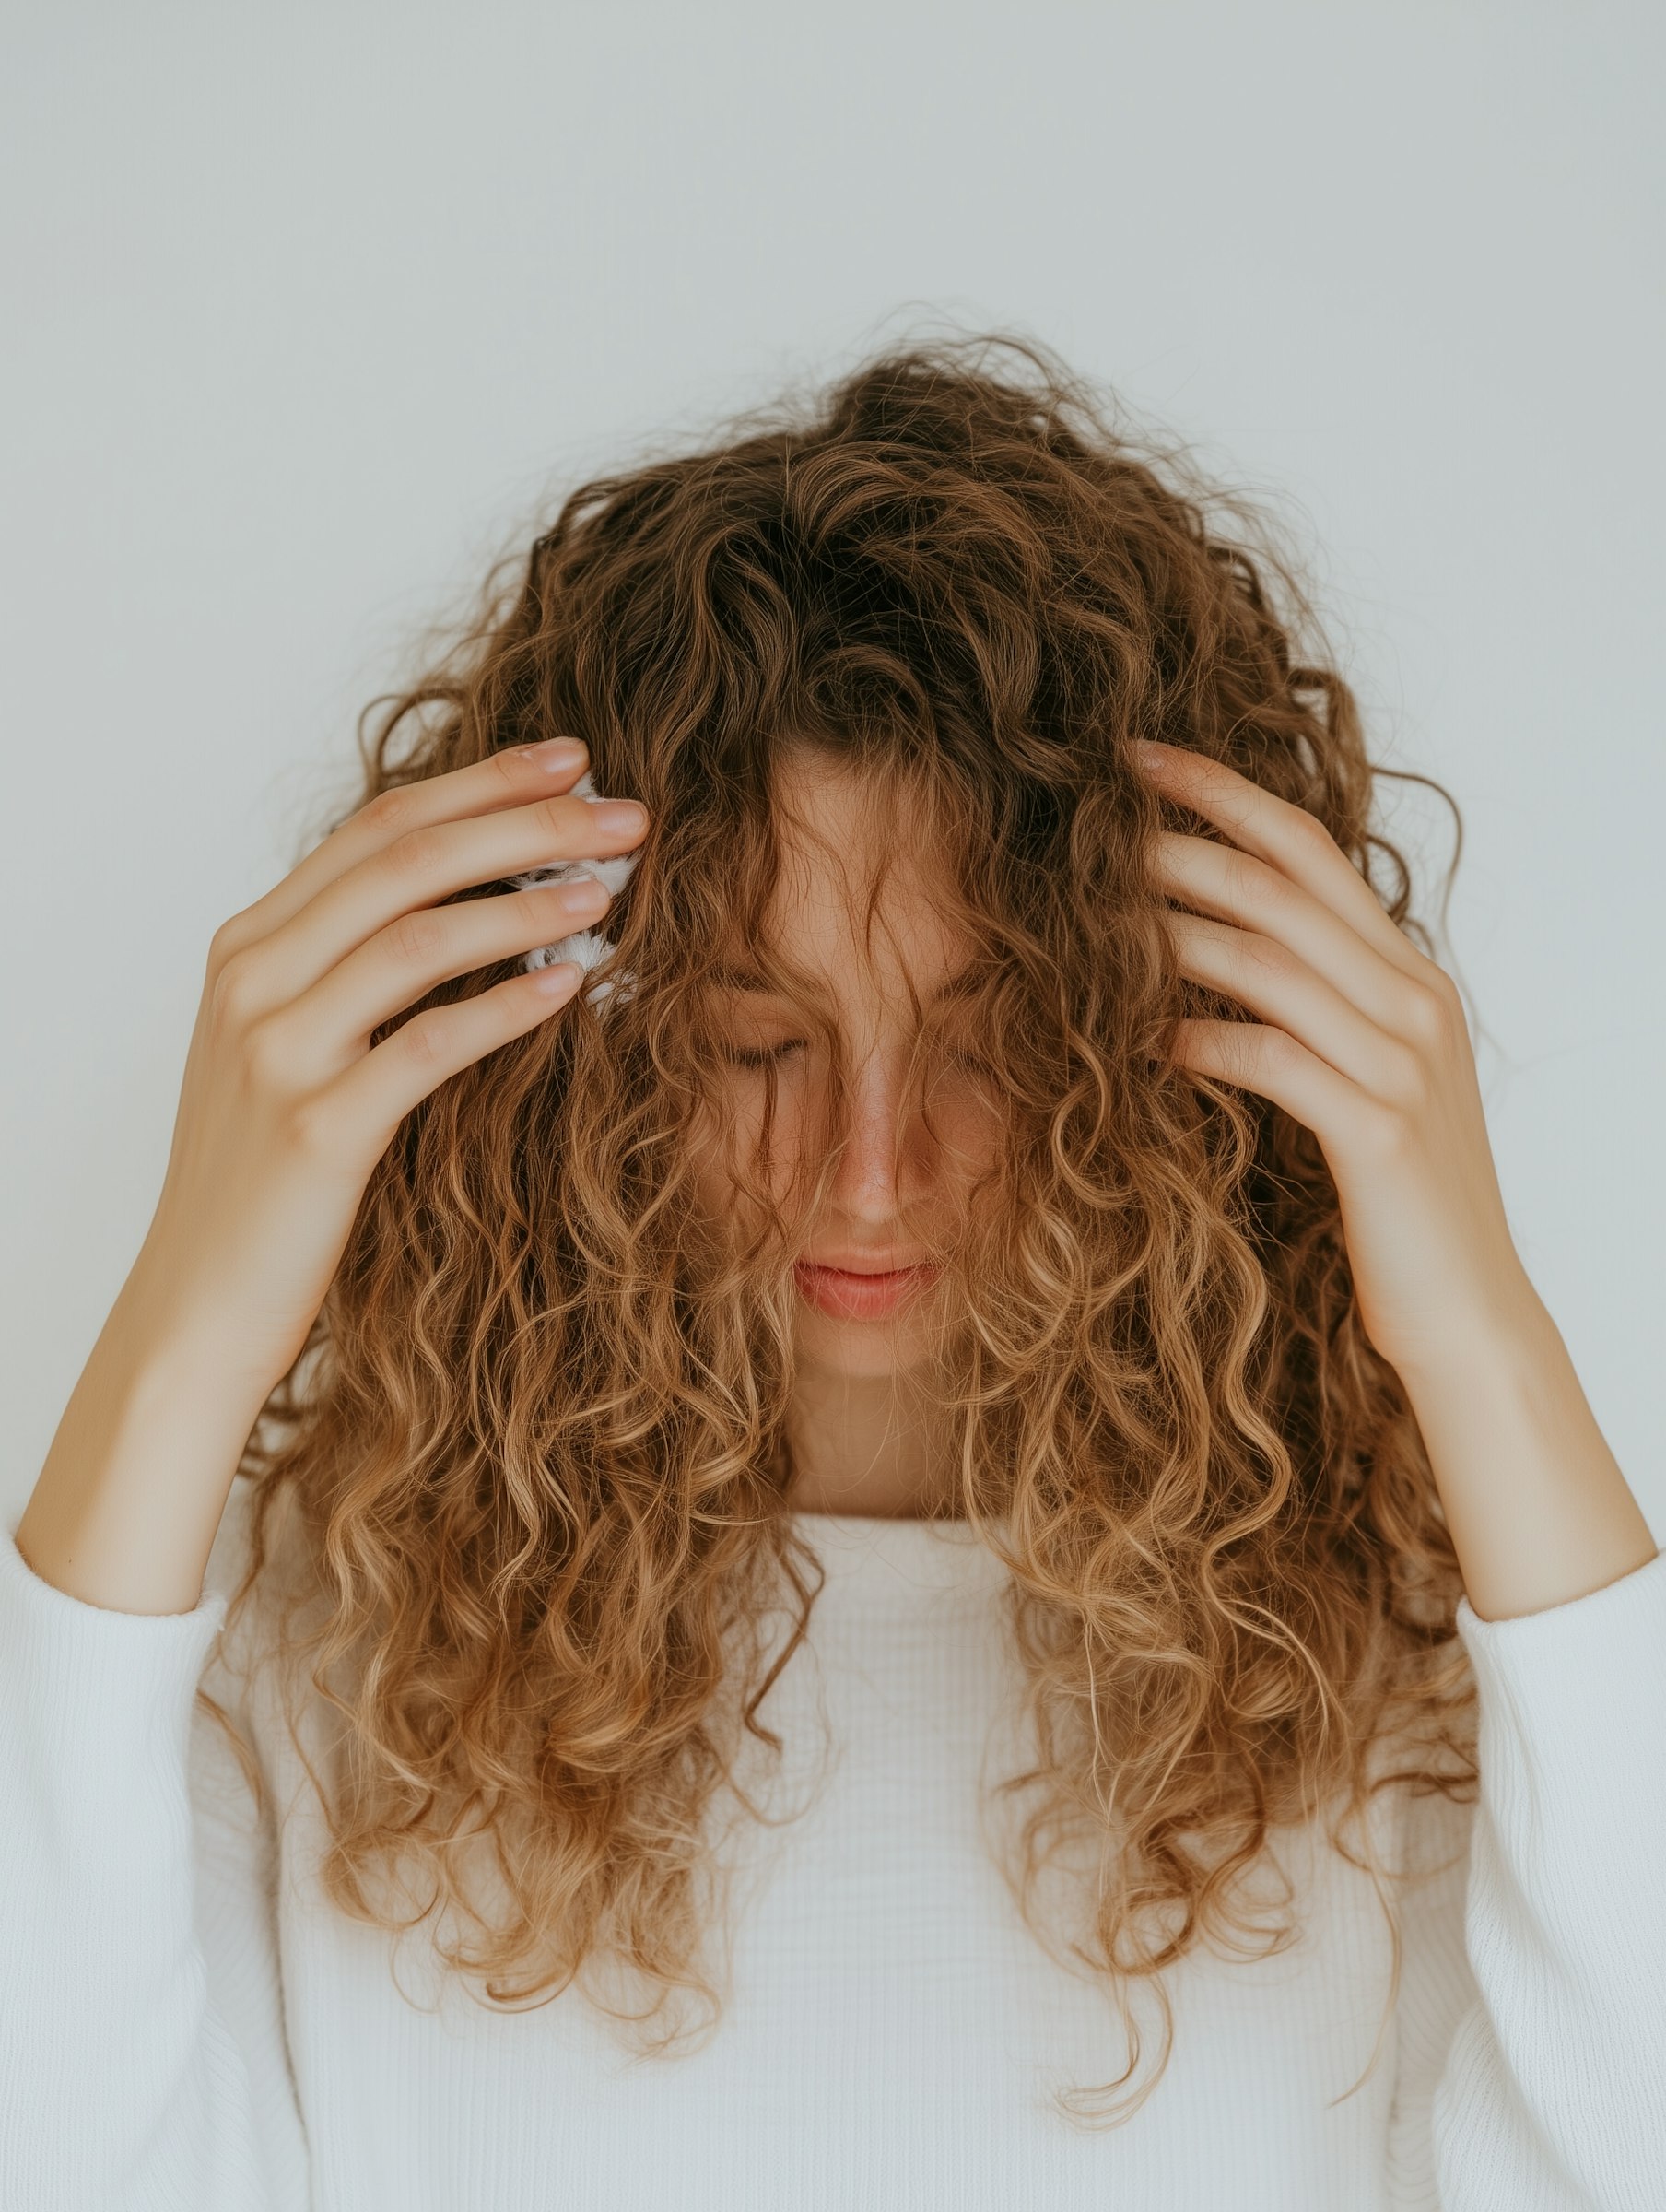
{"x": 187, "y": 2029}
{"x": 588, "y": 947}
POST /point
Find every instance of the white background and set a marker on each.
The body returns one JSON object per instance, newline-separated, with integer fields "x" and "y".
{"x": 310, "y": 307}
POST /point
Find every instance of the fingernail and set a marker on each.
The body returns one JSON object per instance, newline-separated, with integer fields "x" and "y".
{"x": 619, "y": 817}
{"x": 554, "y": 753}
{"x": 558, "y": 977}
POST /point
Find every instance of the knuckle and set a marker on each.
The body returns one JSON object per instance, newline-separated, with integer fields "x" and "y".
{"x": 415, "y": 937}
{"x": 1307, "y": 829}
{"x": 1448, "y": 993}
{"x": 510, "y": 772}
{"x": 269, "y": 1055}
{"x": 414, "y": 854}
{"x": 1281, "y": 1051}
{"x": 391, "y": 812}
{"x": 1447, "y": 996}
{"x": 1427, "y": 1015}
{"x": 1255, "y": 885}
{"x": 228, "y": 939}
{"x": 230, "y": 991}
{"x": 1270, "y": 959}
{"x": 555, "y": 815}
{"x": 422, "y": 1040}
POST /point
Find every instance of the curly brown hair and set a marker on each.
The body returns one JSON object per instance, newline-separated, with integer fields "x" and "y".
{"x": 532, "y": 1454}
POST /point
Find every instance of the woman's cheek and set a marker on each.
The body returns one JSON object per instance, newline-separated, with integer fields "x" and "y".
{"x": 726, "y": 1142}
{"x": 969, "y": 1127}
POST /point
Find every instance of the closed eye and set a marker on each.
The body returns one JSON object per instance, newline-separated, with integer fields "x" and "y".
{"x": 745, "y": 1055}
{"x": 962, "y": 1055}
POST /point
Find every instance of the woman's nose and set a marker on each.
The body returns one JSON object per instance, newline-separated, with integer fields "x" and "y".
{"x": 882, "y": 1156}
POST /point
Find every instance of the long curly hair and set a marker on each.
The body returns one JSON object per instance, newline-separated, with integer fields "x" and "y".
{"x": 529, "y": 1469}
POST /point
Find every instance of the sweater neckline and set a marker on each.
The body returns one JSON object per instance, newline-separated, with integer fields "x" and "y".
{"x": 880, "y": 1564}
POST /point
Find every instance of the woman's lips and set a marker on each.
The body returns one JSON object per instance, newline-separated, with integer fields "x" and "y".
{"x": 849, "y": 1297}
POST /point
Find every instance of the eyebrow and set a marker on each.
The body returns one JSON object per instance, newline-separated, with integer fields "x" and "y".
{"x": 963, "y": 986}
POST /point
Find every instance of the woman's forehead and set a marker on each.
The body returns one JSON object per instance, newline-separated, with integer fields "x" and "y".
{"x": 860, "y": 887}
{"x": 848, "y": 833}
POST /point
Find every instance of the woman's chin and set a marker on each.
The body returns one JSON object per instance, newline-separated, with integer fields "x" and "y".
{"x": 860, "y": 1351}
{"x": 863, "y": 1348}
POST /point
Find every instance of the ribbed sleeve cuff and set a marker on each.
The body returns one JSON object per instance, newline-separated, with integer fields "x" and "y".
{"x": 94, "y": 1693}
{"x": 1581, "y": 1684}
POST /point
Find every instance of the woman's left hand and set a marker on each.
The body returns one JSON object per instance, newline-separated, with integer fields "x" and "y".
{"x": 1362, "y": 1038}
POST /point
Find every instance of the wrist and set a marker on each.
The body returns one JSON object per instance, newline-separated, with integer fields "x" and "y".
{"x": 1505, "y": 1336}
{"x": 125, "y": 1511}
{"x": 162, "y": 1339}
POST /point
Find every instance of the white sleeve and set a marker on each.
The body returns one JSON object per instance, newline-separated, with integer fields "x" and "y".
{"x": 143, "y": 2059}
{"x": 1531, "y": 2069}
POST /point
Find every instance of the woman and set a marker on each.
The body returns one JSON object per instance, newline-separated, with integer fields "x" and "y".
{"x": 925, "y": 1486}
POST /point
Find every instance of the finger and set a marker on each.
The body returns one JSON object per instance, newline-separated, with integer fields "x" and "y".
{"x": 382, "y": 1086}
{"x": 1285, "y": 836}
{"x": 1276, "y": 1065}
{"x": 1272, "y": 982}
{"x": 1237, "y": 887}
{"x": 513, "y": 777}
{"x": 326, "y": 1028}
{"x": 416, "y": 870}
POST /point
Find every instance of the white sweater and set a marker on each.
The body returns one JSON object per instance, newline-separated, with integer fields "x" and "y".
{"x": 186, "y": 2027}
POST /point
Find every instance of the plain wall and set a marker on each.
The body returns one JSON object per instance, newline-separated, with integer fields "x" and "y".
{"x": 308, "y": 308}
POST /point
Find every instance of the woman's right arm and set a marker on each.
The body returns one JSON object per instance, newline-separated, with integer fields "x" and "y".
{"x": 122, "y": 2081}
{"x": 284, "y": 1111}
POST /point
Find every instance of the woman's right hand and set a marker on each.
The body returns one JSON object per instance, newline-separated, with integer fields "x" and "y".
{"x": 284, "y": 1108}
{"x": 284, "y": 1111}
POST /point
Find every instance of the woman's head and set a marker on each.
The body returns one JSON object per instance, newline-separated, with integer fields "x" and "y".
{"x": 875, "y": 668}
{"x": 874, "y": 664}
{"x": 853, "y": 1113}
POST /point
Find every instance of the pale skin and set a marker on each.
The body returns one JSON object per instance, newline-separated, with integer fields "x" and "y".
{"x": 284, "y": 1112}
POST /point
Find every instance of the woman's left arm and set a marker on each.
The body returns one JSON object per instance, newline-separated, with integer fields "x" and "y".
{"x": 1532, "y": 2059}
{"x": 1362, "y": 1038}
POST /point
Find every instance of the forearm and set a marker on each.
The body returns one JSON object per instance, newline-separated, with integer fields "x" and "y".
{"x": 1539, "y": 1511}
{"x": 125, "y": 1509}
